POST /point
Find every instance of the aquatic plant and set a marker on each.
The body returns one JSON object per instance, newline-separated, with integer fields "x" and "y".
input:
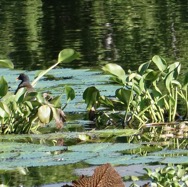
{"x": 25, "y": 112}
{"x": 169, "y": 176}
{"x": 149, "y": 95}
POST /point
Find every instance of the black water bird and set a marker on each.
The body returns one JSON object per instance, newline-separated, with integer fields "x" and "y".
{"x": 25, "y": 83}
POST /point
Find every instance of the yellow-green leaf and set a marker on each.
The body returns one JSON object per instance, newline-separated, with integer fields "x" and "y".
{"x": 44, "y": 114}
{"x": 67, "y": 55}
{"x": 5, "y": 63}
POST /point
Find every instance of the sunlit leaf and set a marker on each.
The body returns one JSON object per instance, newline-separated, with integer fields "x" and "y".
{"x": 44, "y": 114}
{"x": 83, "y": 137}
{"x": 159, "y": 62}
{"x": 6, "y": 64}
{"x": 2, "y": 113}
{"x": 115, "y": 70}
{"x": 143, "y": 67}
{"x": 175, "y": 67}
{"x": 5, "y": 107}
{"x": 67, "y": 55}
{"x": 3, "y": 86}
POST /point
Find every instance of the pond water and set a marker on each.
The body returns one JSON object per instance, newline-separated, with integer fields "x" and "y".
{"x": 128, "y": 33}
{"x": 124, "y": 32}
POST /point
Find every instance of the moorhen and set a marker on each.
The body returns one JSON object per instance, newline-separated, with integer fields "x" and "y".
{"x": 60, "y": 118}
{"x": 25, "y": 83}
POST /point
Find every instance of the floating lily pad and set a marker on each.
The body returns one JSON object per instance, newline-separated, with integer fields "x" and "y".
{"x": 171, "y": 152}
{"x": 123, "y": 159}
{"x": 176, "y": 160}
{"x": 103, "y": 147}
{"x": 26, "y": 147}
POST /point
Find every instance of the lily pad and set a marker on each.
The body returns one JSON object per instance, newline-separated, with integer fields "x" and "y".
{"x": 103, "y": 147}
{"x": 171, "y": 152}
{"x": 176, "y": 160}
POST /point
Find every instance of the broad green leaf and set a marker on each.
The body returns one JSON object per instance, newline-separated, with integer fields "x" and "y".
{"x": 67, "y": 55}
{"x": 152, "y": 76}
{"x": 6, "y": 64}
{"x": 115, "y": 70}
{"x": 175, "y": 67}
{"x": 3, "y": 86}
{"x": 143, "y": 67}
{"x": 124, "y": 95}
{"x": 44, "y": 114}
{"x": 174, "y": 71}
{"x": 70, "y": 93}
{"x": 160, "y": 63}
{"x": 91, "y": 96}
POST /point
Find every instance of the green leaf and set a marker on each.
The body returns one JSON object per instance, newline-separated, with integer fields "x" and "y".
{"x": 143, "y": 67}
{"x": 6, "y": 64}
{"x": 4, "y": 110}
{"x": 124, "y": 95}
{"x": 91, "y": 96}
{"x": 3, "y": 86}
{"x": 115, "y": 70}
{"x": 70, "y": 93}
{"x": 159, "y": 62}
{"x": 152, "y": 76}
{"x": 44, "y": 114}
{"x": 67, "y": 55}
{"x": 105, "y": 101}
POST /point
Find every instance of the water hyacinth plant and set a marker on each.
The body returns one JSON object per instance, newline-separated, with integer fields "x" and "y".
{"x": 149, "y": 95}
{"x": 25, "y": 112}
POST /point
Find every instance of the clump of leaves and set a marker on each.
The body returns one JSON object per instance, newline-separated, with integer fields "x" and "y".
{"x": 176, "y": 176}
{"x": 149, "y": 95}
{"x": 25, "y": 112}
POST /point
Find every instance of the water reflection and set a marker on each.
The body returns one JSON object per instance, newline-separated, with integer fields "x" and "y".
{"x": 33, "y": 32}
